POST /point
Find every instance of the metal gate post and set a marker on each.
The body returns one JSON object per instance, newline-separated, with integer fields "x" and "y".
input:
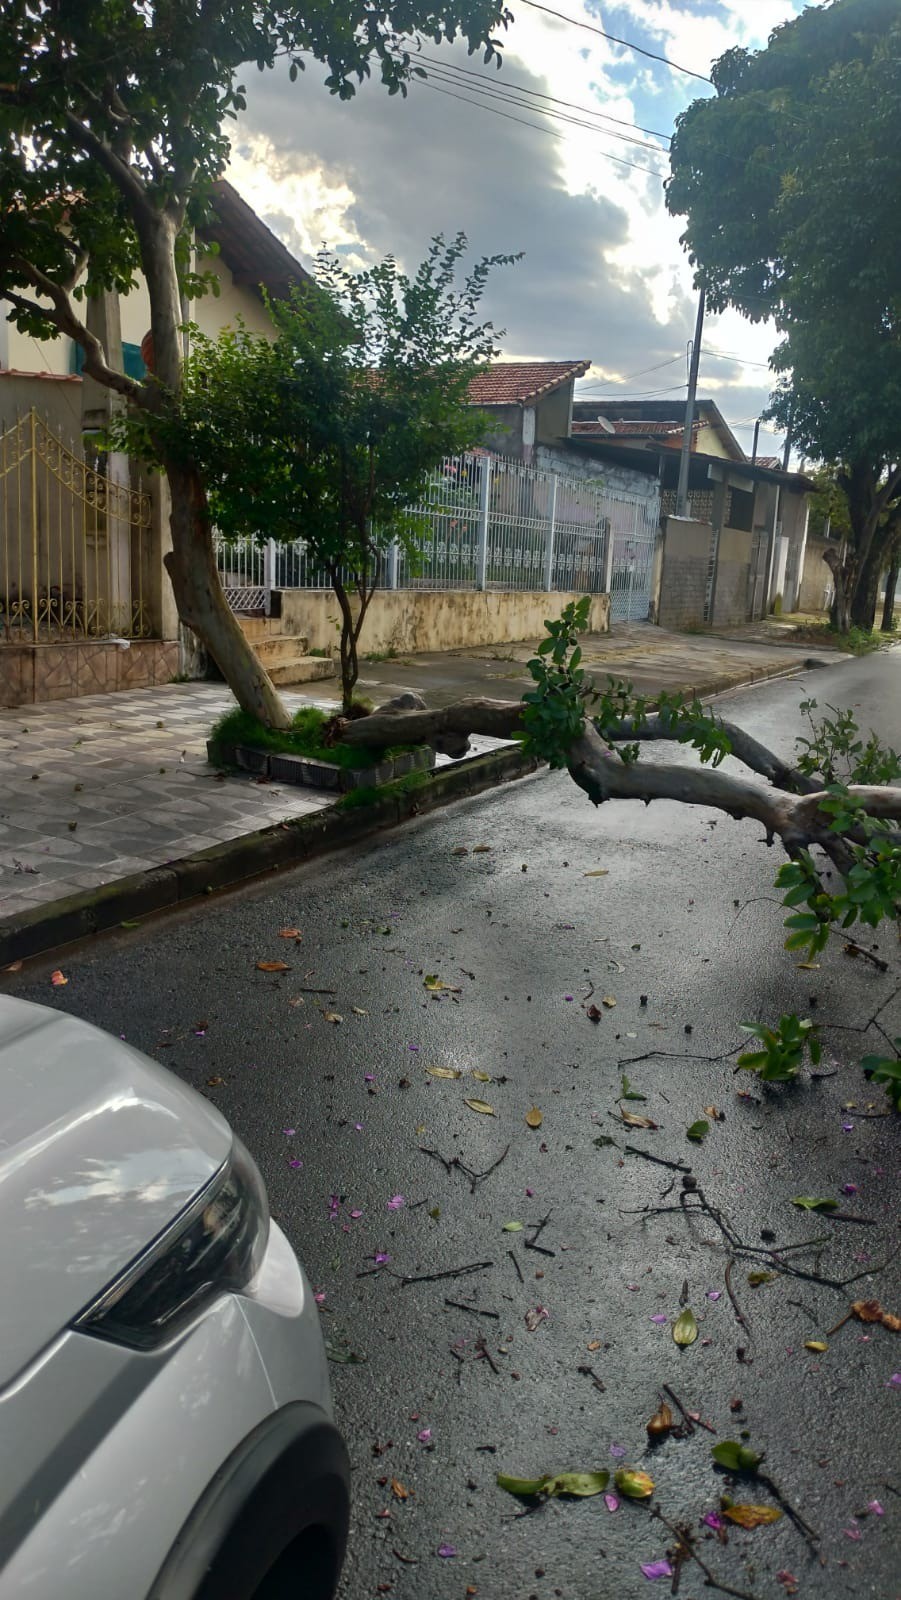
{"x": 608, "y": 561}
{"x": 393, "y": 551}
{"x": 549, "y": 548}
{"x": 269, "y": 575}
{"x": 484, "y": 510}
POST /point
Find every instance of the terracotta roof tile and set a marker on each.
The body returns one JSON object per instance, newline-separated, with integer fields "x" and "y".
{"x": 511, "y": 383}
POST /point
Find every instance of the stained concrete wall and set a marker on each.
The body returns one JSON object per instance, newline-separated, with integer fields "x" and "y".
{"x": 411, "y": 620}
{"x": 683, "y": 572}
{"x": 732, "y": 597}
{"x": 816, "y": 579}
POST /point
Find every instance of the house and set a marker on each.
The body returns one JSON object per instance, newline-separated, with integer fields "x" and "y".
{"x": 85, "y": 601}
{"x": 657, "y": 421}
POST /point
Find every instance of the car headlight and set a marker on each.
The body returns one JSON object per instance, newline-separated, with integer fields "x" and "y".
{"x": 215, "y": 1246}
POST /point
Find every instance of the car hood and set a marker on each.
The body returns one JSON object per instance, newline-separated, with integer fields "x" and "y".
{"x": 99, "y": 1150}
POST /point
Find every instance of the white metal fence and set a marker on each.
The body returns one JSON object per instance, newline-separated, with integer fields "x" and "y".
{"x": 483, "y": 523}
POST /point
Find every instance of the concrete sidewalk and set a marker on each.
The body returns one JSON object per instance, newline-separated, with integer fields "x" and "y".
{"x": 99, "y": 790}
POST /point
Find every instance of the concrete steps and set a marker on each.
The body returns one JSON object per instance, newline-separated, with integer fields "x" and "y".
{"x": 284, "y": 655}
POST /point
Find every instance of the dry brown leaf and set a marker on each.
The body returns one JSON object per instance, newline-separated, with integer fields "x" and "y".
{"x": 332, "y": 1016}
{"x": 297, "y": 1000}
{"x": 461, "y": 850}
{"x": 359, "y": 1012}
{"x": 593, "y": 1344}
{"x": 659, "y": 1425}
{"x": 398, "y": 1490}
{"x": 14, "y": 966}
{"x": 712, "y": 1113}
{"x": 892, "y": 1322}
{"x": 273, "y": 966}
{"x": 608, "y": 1000}
{"x": 752, "y": 1516}
{"x": 867, "y": 1310}
{"x": 214, "y": 1081}
{"x": 480, "y": 849}
{"x": 534, "y": 1118}
{"x": 632, "y": 1121}
{"x": 289, "y": 933}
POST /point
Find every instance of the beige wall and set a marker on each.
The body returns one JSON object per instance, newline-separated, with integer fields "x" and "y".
{"x": 683, "y": 572}
{"x": 733, "y": 574}
{"x": 709, "y": 442}
{"x": 411, "y": 620}
{"x": 212, "y": 312}
{"x": 816, "y": 578}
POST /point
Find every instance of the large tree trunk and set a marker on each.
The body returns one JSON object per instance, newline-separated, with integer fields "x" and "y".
{"x": 843, "y": 580}
{"x": 191, "y": 565}
{"x": 863, "y": 600}
{"x": 891, "y": 585}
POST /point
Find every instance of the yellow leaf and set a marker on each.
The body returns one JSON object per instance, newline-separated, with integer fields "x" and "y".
{"x": 634, "y": 1485}
{"x": 534, "y": 1118}
{"x": 601, "y": 872}
{"x": 333, "y": 1016}
{"x": 815, "y": 1344}
{"x": 443, "y": 1072}
{"x": 608, "y": 1000}
{"x": 752, "y": 1516}
{"x": 481, "y": 1077}
{"x": 273, "y": 966}
{"x": 480, "y": 1105}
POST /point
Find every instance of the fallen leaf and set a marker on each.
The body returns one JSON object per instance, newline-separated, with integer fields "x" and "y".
{"x": 698, "y": 1131}
{"x": 443, "y": 1072}
{"x": 435, "y": 985}
{"x": 535, "y": 1316}
{"x": 599, "y": 872}
{"x": 534, "y": 1118}
{"x": 57, "y": 979}
{"x": 481, "y": 1077}
{"x": 603, "y": 1140}
{"x": 634, "y": 1485}
{"x": 214, "y": 1082}
{"x": 735, "y": 1457}
{"x": 273, "y": 966}
{"x": 608, "y": 1000}
{"x": 593, "y": 1344}
{"x": 633, "y": 1121}
{"x": 359, "y": 1012}
{"x": 809, "y": 1202}
{"x": 593, "y": 1014}
{"x": 513, "y": 1227}
{"x": 628, "y": 1092}
{"x": 297, "y": 1000}
{"x": 755, "y": 1279}
{"x": 290, "y": 933}
{"x": 685, "y": 1328}
{"x": 332, "y": 1016}
{"x": 752, "y": 1516}
{"x": 461, "y": 850}
{"x": 712, "y": 1113}
{"x": 398, "y": 1490}
{"x": 480, "y": 849}
{"x": 815, "y": 1344}
{"x": 582, "y": 1485}
{"x": 480, "y": 1105}
{"x": 872, "y": 1311}
{"x": 132, "y": 924}
{"x": 14, "y": 966}
{"x": 659, "y": 1425}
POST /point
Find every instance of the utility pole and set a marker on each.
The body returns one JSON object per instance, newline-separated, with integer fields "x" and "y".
{"x": 682, "y": 490}
{"x": 756, "y": 440}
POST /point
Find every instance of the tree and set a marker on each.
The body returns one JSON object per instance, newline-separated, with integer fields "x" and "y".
{"x": 113, "y": 120}
{"x": 786, "y": 178}
{"x": 832, "y": 809}
{"x": 328, "y": 432}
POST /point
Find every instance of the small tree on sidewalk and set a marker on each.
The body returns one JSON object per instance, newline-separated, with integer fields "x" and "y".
{"x": 328, "y": 433}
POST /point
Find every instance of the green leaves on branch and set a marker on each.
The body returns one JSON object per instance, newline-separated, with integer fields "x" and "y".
{"x": 555, "y": 709}
{"x": 783, "y": 1049}
{"x": 836, "y": 753}
{"x": 886, "y": 1071}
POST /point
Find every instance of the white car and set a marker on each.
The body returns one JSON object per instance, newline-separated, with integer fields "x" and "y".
{"x": 166, "y": 1428}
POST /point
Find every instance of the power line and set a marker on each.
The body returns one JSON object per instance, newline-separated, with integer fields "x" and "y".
{"x": 494, "y": 92}
{"x": 730, "y": 355}
{"x": 589, "y": 27}
{"x": 520, "y": 88}
{"x": 651, "y": 172}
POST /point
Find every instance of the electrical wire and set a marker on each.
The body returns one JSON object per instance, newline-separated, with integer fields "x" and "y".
{"x": 425, "y": 83}
{"x": 537, "y": 94}
{"x": 575, "y": 22}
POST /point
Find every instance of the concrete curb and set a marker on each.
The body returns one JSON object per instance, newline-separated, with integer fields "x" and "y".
{"x": 223, "y": 866}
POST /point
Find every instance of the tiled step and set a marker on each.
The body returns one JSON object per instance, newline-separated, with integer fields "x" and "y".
{"x": 302, "y": 669}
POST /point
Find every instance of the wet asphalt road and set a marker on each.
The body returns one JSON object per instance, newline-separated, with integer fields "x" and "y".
{"x": 520, "y": 932}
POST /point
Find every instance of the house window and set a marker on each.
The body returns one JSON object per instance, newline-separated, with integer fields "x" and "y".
{"x": 740, "y": 511}
{"x": 132, "y": 360}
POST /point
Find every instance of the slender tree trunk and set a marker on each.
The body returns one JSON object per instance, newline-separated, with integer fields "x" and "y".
{"x": 350, "y": 670}
{"x": 863, "y": 599}
{"x": 191, "y": 565}
{"x": 888, "y": 605}
{"x": 843, "y": 579}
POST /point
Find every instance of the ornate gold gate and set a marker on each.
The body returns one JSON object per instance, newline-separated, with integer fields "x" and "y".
{"x": 75, "y": 545}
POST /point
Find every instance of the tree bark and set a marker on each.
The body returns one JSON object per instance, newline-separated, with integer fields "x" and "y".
{"x": 191, "y": 565}
{"x": 891, "y": 585}
{"x": 863, "y": 600}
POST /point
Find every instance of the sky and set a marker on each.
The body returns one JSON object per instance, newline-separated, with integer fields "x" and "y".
{"x": 603, "y": 275}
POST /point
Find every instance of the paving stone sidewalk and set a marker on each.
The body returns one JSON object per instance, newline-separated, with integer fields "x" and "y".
{"x": 101, "y": 787}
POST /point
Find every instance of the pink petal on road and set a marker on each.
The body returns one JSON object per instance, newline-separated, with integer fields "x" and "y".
{"x": 424, "y": 1435}
{"x": 659, "y": 1318}
{"x": 876, "y": 1508}
{"x": 446, "y": 1551}
{"x": 611, "y": 1501}
{"x": 396, "y": 1201}
{"x": 657, "y": 1569}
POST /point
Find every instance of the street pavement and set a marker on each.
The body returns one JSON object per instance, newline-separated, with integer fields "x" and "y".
{"x": 498, "y": 1357}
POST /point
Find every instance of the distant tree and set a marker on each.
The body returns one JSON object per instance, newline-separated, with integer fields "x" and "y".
{"x": 113, "y": 125}
{"x": 328, "y": 432}
{"x": 788, "y": 179}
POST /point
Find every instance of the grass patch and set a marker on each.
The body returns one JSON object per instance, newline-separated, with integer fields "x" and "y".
{"x": 303, "y": 738}
{"x": 356, "y": 799}
{"x": 856, "y": 642}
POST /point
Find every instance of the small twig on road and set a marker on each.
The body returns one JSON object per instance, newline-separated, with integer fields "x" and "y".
{"x": 516, "y": 1266}
{"x": 301, "y": 990}
{"x": 408, "y": 1561}
{"x": 451, "y": 1163}
{"x": 474, "y": 1311}
{"x": 685, "y": 1544}
{"x": 742, "y": 1319}
{"x": 436, "y": 1277}
{"x": 674, "y": 1166}
{"x": 483, "y": 1353}
{"x": 813, "y": 1315}
{"x": 530, "y": 1244}
{"x": 803, "y": 1527}
{"x": 589, "y": 1372}
{"x": 690, "y": 1422}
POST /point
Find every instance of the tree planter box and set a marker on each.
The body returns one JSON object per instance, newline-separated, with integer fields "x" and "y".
{"x": 313, "y": 774}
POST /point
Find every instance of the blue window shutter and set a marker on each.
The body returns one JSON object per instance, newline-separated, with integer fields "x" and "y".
{"x": 132, "y": 360}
